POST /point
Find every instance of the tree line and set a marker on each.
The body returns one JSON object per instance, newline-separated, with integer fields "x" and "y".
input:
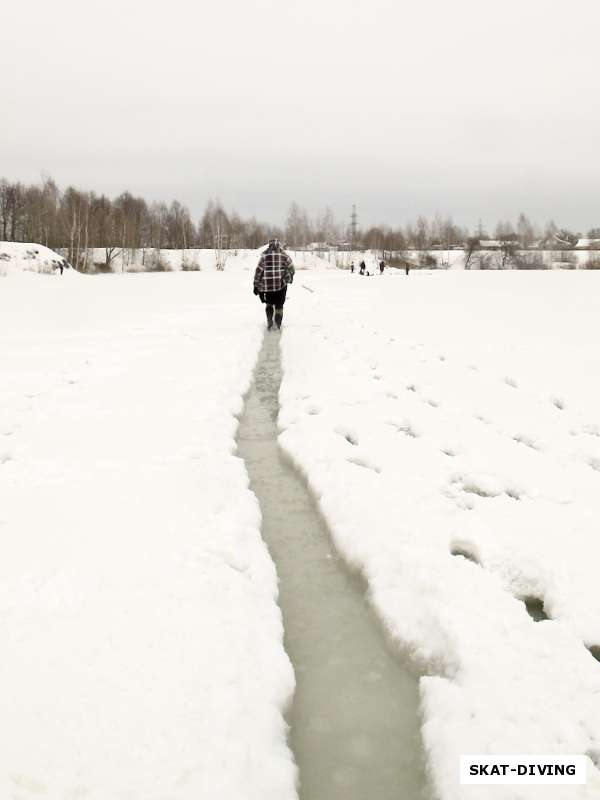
{"x": 77, "y": 221}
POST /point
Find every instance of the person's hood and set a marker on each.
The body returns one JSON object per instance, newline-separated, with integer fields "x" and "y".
{"x": 274, "y": 246}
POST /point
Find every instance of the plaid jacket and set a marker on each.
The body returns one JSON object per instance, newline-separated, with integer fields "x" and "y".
{"x": 274, "y": 271}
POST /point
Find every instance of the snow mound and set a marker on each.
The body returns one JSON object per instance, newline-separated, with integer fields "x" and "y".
{"x": 29, "y": 257}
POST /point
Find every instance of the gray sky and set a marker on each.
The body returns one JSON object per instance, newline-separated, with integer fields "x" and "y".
{"x": 468, "y": 108}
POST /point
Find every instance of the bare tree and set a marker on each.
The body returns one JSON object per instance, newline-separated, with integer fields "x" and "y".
{"x": 220, "y": 238}
{"x": 297, "y": 226}
{"x": 525, "y": 231}
{"x": 111, "y": 254}
{"x": 471, "y": 247}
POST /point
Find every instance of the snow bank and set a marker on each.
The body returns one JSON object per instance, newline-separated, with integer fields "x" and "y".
{"x": 449, "y": 427}
{"x": 17, "y": 257}
{"x": 142, "y": 652}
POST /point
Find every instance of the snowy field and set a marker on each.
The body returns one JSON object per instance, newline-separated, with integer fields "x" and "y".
{"x": 142, "y": 652}
{"x": 449, "y": 426}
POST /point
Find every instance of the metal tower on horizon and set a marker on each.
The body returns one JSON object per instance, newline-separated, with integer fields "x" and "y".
{"x": 353, "y": 223}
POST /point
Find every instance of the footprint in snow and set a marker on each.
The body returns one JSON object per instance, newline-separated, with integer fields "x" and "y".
{"x": 348, "y": 436}
{"x": 406, "y": 428}
{"x": 535, "y": 608}
{"x": 586, "y": 430}
{"x": 558, "y": 402}
{"x": 313, "y": 411}
{"x": 522, "y": 438}
{"x": 511, "y": 382}
{"x": 361, "y": 462}
{"x": 591, "y": 430}
{"x": 489, "y": 488}
{"x": 466, "y": 549}
{"x": 595, "y": 653}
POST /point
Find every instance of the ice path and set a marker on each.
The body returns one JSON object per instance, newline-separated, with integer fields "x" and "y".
{"x": 354, "y": 721}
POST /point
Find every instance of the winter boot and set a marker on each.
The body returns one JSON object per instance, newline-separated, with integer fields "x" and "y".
{"x": 278, "y": 318}
{"x": 269, "y": 312}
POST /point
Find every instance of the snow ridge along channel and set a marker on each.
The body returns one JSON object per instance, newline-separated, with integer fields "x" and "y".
{"x": 354, "y": 720}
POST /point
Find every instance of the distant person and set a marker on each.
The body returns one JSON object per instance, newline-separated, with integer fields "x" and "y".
{"x": 352, "y": 268}
{"x": 363, "y": 267}
{"x": 381, "y": 266}
{"x": 271, "y": 278}
{"x": 407, "y": 267}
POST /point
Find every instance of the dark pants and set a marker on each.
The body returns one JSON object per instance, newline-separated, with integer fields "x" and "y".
{"x": 276, "y": 300}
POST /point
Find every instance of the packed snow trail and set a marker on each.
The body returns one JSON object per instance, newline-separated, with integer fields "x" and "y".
{"x": 354, "y": 720}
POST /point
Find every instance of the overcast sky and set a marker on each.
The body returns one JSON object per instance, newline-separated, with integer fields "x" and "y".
{"x": 468, "y": 108}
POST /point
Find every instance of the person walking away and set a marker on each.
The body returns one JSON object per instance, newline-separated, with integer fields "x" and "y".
{"x": 363, "y": 267}
{"x": 381, "y": 266}
{"x": 352, "y": 268}
{"x": 407, "y": 267}
{"x": 273, "y": 274}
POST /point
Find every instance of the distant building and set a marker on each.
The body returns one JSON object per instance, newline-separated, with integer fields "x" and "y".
{"x": 319, "y": 246}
